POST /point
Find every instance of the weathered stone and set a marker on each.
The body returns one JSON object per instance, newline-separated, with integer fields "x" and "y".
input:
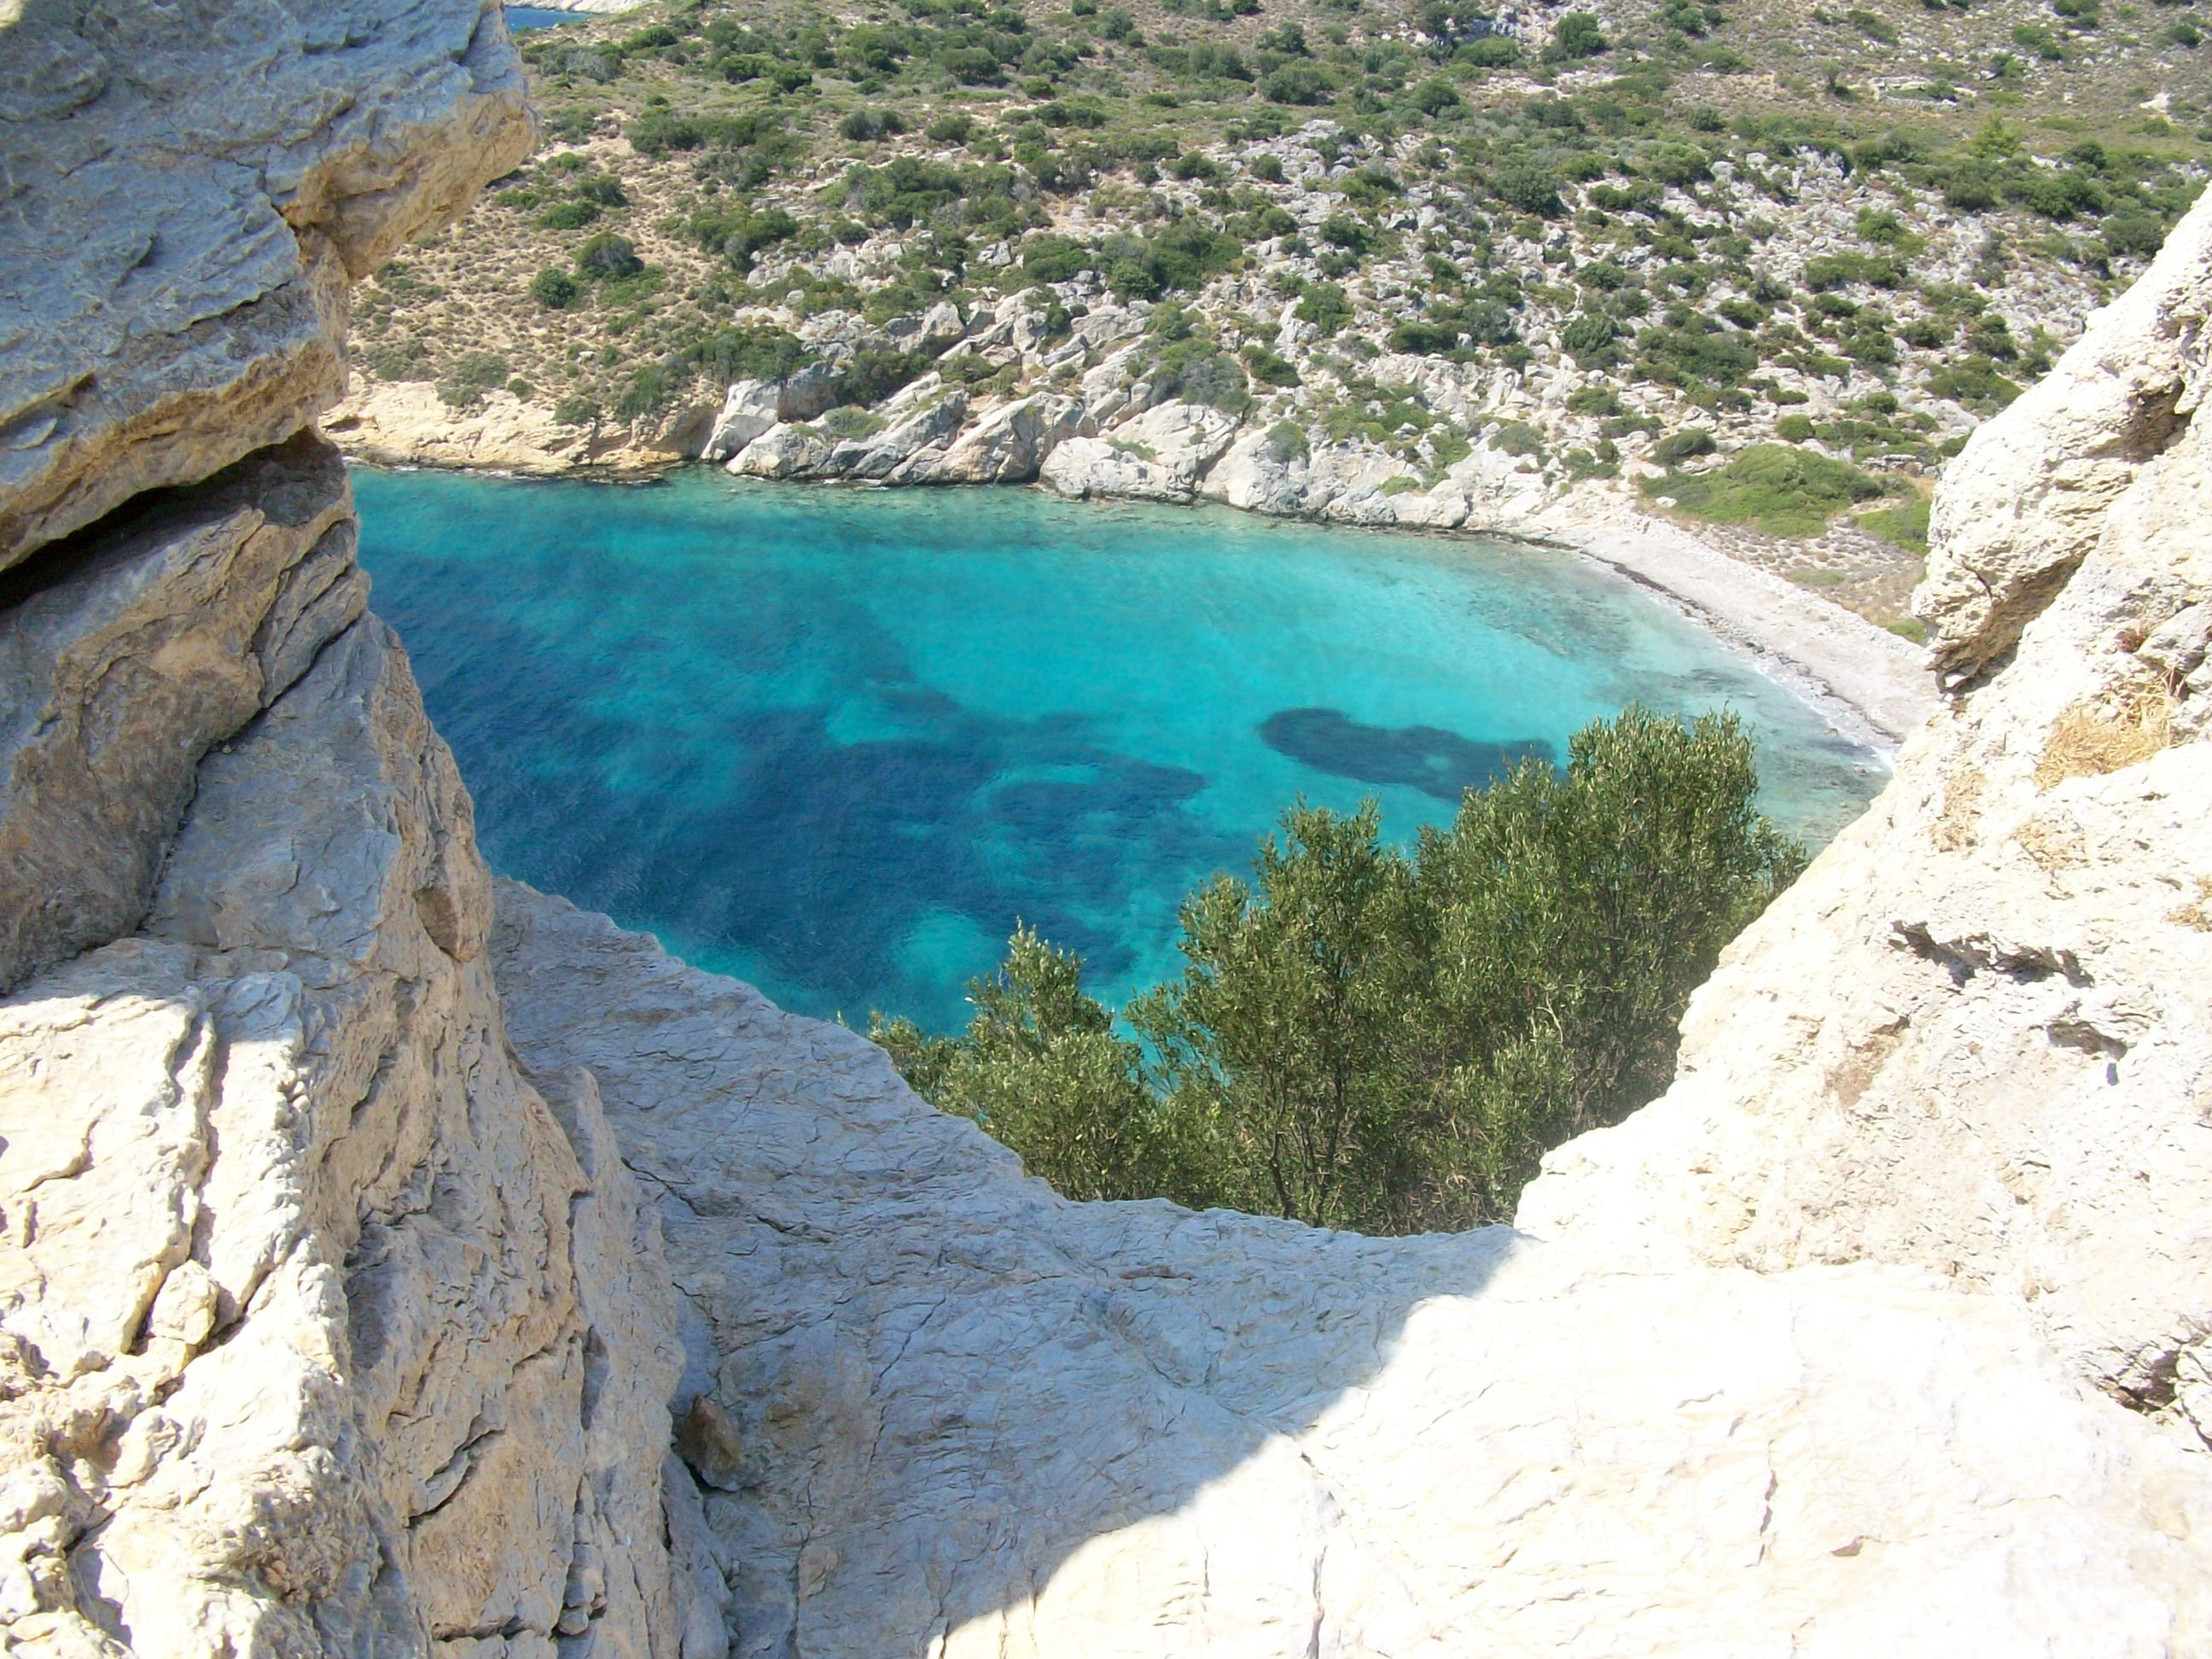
{"x": 971, "y": 1418}
{"x": 151, "y": 640}
{"x": 1008, "y": 445}
{"x": 189, "y": 189}
{"x": 2027, "y": 500}
{"x": 1977, "y": 1035}
{"x": 748, "y": 410}
{"x": 783, "y": 452}
{"x": 879, "y": 455}
{"x": 1158, "y": 455}
{"x": 323, "y": 1329}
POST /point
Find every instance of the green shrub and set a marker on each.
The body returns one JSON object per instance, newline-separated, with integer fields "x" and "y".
{"x": 747, "y": 354}
{"x": 1679, "y": 165}
{"x": 648, "y": 391}
{"x": 557, "y": 290}
{"x": 1782, "y": 490}
{"x": 1299, "y": 83}
{"x": 1795, "y": 429}
{"x": 607, "y": 255}
{"x": 1267, "y": 368}
{"x": 1825, "y": 271}
{"x": 1905, "y": 526}
{"x": 1326, "y": 305}
{"x": 568, "y": 216}
{"x": 1588, "y": 336}
{"x": 1199, "y": 372}
{"x": 1531, "y": 188}
{"x": 1422, "y": 338}
{"x": 1344, "y": 230}
{"x": 871, "y": 376}
{"x": 1365, "y": 1038}
{"x": 1578, "y": 35}
{"x": 576, "y": 410}
{"x": 1490, "y": 52}
{"x": 867, "y": 126}
{"x": 851, "y": 421}
{"x": 1689, "y": 443}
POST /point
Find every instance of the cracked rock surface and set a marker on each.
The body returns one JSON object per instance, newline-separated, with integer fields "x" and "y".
{"x": 1977, "y": 1036}
{"x": 186, "y": 192}
{"x": 939, "y": 1410}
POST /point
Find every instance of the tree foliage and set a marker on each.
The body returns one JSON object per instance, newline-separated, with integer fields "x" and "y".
{"x": 1390, "y": 1039}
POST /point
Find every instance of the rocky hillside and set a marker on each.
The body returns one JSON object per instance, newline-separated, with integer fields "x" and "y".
{"x": 395, "y": 1261}
{"x": 1378, "y": 262}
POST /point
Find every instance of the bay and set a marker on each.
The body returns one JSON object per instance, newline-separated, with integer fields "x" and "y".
{"x": 836, "y": 742}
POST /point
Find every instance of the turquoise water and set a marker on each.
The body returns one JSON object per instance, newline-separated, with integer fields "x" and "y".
{"x": 836, "y": 742}
{"x": 538, "y": 17}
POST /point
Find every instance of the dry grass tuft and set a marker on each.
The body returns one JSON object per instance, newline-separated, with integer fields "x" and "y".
{"x": 1955, "y": 826}
{"x": 2197, "y": 913}
{"x": 2093, "y": 738}
{"x": 2055, "y": 843}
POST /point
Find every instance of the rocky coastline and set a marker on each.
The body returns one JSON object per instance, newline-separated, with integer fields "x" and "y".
{"x": 1873, "y": 685}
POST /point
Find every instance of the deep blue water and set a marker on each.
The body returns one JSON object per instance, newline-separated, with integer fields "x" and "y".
{"x": 836, "y": 742}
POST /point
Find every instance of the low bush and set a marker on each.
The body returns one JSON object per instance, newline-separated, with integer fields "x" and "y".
{"x": 1374, "y": 1039}
{"x": 1780, "y": 489}
{"x": 1686, "y": 445}
{"x": 557, "y": 290}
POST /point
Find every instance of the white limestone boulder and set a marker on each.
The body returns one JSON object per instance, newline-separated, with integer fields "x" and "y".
{"x": 1161, "y": 454}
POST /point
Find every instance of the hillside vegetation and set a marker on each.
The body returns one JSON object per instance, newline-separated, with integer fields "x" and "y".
{"x": 1763, "y": 263}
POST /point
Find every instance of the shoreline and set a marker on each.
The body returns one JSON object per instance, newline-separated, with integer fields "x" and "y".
{"x": 1873, "y": 687}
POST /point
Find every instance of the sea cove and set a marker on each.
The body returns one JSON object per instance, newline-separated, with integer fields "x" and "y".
{"x": 836, "y": 741}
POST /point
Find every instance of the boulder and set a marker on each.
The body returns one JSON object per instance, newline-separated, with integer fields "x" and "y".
{"x": 952, "y": 1411}
{"x": 2011, "y": 523}
{"x": 1159, "y": 455}
{"x": 750, "y": 409}
{"x": 784, "y": 452}
{"x": 1976, "y": 1037}
{"x": 332, "y": 1331}
{"x": 924, "y": 430}
{"x": 1009, "y": 445}
{"x": 161, "y": 635}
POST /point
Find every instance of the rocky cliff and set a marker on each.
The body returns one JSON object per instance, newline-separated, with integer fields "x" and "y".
{"x": 324, "y": 1328}
{"x": 393, "y": 1261}
{"x": 1978, "y": 1036}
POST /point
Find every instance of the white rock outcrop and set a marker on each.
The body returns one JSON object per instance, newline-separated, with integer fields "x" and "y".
{"x": 323, "y": 1332}
{"x": 191, "y": 188}
{"x": 2029, "y": 499}
{"x": 945, "y": 1412}
{"x": 324, "y": 1329}
{"x": 1977, "y": 1036}
{"x": 1160, "y": 455}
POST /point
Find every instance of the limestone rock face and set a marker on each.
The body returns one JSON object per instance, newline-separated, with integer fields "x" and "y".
{"x": 157, "y": 638}
{"x": 942, "y": 1410}
{"x": 1977, "y": 1036}
{"x": 2028, "y": 499}
{"x": 323, "y": 1332}
{"x": 1009, "y": 445}
{"x": 1160, "y": 455}
{"x": 192, "y": 187}
{"x": 748, "y": 410}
